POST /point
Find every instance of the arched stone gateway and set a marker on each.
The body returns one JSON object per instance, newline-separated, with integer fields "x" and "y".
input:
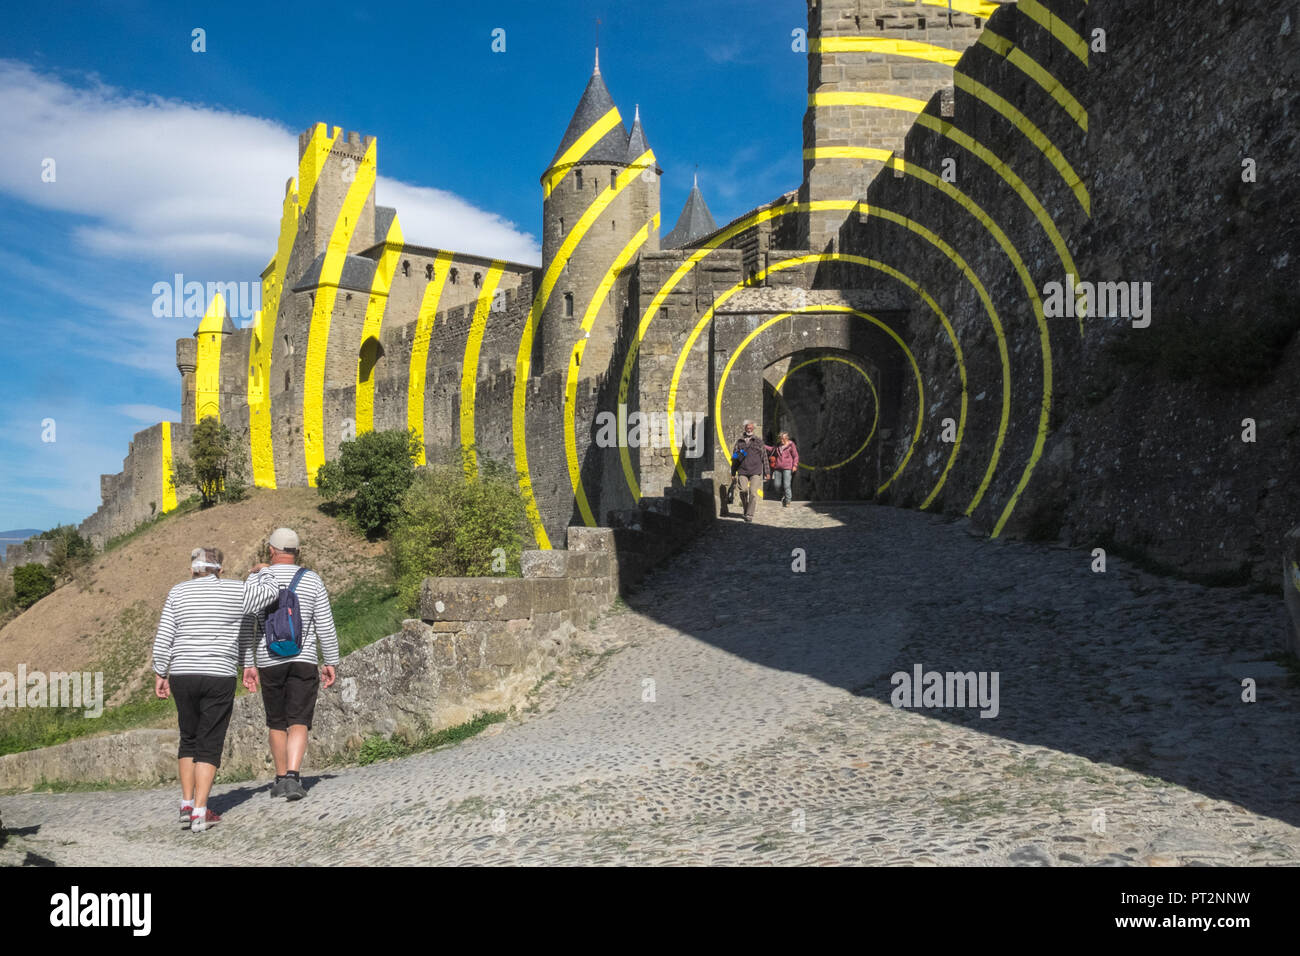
{"x": 775, "y": 351}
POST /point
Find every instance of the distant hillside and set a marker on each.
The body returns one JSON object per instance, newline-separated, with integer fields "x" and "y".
{"x": 17, "y": 536}
{"x": 107, "y": 616}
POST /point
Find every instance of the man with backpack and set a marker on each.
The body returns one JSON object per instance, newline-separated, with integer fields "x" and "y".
{"x": 749, "y": 465}
{"x": 286, "y": 660}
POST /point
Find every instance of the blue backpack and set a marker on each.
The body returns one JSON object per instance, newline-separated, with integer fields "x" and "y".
{"x": 284, "y": 625}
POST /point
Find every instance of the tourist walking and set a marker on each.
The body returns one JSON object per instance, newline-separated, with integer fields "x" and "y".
{"x": 289, "y": 676}
{"x": 785, "y": 462}
{"x": 750, "y": 467}
{"x": 196, "y": 654}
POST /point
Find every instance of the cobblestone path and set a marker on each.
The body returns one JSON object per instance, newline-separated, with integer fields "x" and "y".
{"x": 768, "y": 735}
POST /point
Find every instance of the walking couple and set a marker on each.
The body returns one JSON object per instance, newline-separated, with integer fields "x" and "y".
{"x": 753, "y": 462}
{"x": 271, "y": 625}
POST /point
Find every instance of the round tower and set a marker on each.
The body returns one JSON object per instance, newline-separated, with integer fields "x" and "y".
{"x": 598, "y": 191}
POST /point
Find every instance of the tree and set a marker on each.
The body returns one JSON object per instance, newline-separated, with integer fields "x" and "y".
{"x": 70, "y": 550}
{"x": 31, "y": 583}
{"x": 367, "y": 480}
{"x": 457, "y": 523}
{"x": 215, "y": 466}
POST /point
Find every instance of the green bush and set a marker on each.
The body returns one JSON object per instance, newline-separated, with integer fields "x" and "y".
{"x": 215, "y": 467}
{"x": 70, "y": 551}
{"x": 451, "y": 524}
{"x": 31, "y": 583}
{"x": 367, "y": 480}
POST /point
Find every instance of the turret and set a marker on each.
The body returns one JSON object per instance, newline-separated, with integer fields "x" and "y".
{"x": 604, "y": 182}
{"x": 694, "y": 222}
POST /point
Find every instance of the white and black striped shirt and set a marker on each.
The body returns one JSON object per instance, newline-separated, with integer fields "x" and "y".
{"x": 318, "y": 623}
{"x": 206, "y": 624}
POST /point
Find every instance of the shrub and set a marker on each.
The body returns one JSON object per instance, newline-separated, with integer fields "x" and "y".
{"x": 31, "y": 583}
{"x": 215, "y": 466}
{"x": 366, "y": 482}
{"x": 70, "y": 550}
{"x": 451, "y": 523}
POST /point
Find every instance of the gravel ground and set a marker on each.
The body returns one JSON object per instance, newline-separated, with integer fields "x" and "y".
{"x": 737, "y": 712}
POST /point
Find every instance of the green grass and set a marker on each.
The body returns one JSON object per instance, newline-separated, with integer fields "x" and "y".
{"x": 365, "y": 613}
{"x": 188, "y": 506}
{"x": 47, "y": 726}
{"x": 385, "y": 748}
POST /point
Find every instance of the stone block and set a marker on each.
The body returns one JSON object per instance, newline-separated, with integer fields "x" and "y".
{"x": 490, "y": 599}
{"x": 590, "y": 539}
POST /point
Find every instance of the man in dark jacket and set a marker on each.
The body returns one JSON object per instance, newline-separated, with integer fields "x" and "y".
{"x": 749, "y": 464}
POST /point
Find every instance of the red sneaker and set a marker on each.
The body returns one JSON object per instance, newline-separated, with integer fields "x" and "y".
{"x": 200, "y": 823}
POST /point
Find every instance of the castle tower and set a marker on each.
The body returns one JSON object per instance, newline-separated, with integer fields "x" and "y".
{"x": 330, "y": 174}
{"x": 599, "y": 190}
{"x": 872, "y": 65}
{"x": 694, "y": 222}
{"x": 210, "y": 341}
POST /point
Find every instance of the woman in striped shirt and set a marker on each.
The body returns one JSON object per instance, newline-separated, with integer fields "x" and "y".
{"x": 196, "y": 653}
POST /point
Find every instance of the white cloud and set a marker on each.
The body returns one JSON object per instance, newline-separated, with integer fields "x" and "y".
{"x": 180, "y": 185}
{"x": 148, "y": 413}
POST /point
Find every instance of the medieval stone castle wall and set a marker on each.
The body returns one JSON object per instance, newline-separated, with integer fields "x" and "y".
{"x": 958, "y": 158}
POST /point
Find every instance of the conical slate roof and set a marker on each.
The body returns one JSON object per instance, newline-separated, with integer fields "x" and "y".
{"x": 694, "y": 222}
{"x": 594, "y": 106}
{"x": 636, "y": 144}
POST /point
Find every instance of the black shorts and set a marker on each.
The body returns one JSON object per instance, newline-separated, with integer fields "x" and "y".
{"x": 289, "y": 694}
{"x": 203, "y": 708}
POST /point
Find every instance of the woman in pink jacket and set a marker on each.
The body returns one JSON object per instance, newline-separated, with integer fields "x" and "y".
{"x": 785, "y": 462}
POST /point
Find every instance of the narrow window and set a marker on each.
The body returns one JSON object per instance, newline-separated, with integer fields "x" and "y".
{"x": 613, "y": 178}
{"x": 406, "y": 267}
{"x": 568, "y": 305}
{"x": 577, "y": 180}
{"x": 560, "y": 230}
{"x": 453, "y": 276}
{"x": 428, "y": 271}
{"x": 478, "y": 279}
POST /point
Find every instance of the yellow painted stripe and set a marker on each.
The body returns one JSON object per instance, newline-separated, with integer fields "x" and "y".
{"x": 886, "y": 101}
{"x": 374, "y": 323}
{"x": 1031, "y": 292}
{"x": 313, "y": 401}
{"x": 313, "y": 161}
{"x": 579, "y": 149}
{"x": 262, "y": 348}
{"x": 168, "y": 470}
{"x": 1009, "y": 176}
{"x": 875, "y": 404}
{"x": 1031, "y": 68}
{"x": 744, "y": 344}
{"x": 970, "y": 277}
{"x": 910, "y": 49}
{"x": 575, "y": 363}
{"x": 974, "y": 8}
{"x": 1056, "y": 27}
{"x": 469, "y": 366}
{"x": 207, "y": 364}
{"x": 934, "y": 306}
{"x": 849, "y": 152}
{"x": 1034, "y": 134}
{"x": 523, "y": 360}
{"x": 420, "y": 350}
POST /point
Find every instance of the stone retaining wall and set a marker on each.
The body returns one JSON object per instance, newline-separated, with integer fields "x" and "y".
{"x": 479, "y": 645}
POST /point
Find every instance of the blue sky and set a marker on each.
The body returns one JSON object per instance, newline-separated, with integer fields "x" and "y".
{"x": 169, "y": 161}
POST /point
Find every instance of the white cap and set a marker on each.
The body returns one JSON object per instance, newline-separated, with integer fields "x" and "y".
{"x": 282, "y": 539}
